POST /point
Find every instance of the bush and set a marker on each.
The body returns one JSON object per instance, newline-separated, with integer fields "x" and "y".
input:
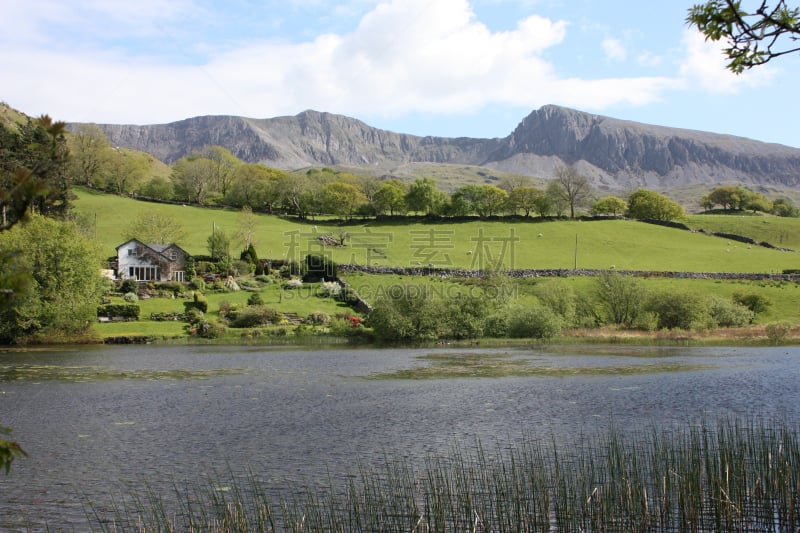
{"x": 318, "y": 318}
{"x": 242, "y": 268}
{"x": 559, "y": 297}
{"x": 197, "y": 284}
{"x": 727, "y": 313}
{"x": 536, "y": 322}
{"x": 320, "y": 267}
{"x": 620, "y": 297}
{"x": 292, "y": 268}
{"x": 127, "y": 311}
{"x": 199, "y": 302}
{"x": 130, "y": 297}
{"x": 755, "y": 302}
{"x": 331, "y": 288}
{"x": 778, "y": 332}
{"x": 255, "y": 299}
{"x": 679, "y": 310}
{"x": 293, "y": 284}
{"x": 129, "y": 285}
{"x": 256, "y": 315}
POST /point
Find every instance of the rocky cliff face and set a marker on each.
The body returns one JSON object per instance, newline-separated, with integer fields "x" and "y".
{"x": 615, "y": 154}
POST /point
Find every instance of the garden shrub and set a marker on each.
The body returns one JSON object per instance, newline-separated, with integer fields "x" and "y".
{"x": 129, "y": 285}
{"x": 320, "y": 267}
{"x": 127, "y": 311}
{"x": 130, "y": 297}
{"x": 198, "y": 302}
{"x": 254, "y": 316}
{"x": 255, "y": 299}
{"x": 318, "y": 318}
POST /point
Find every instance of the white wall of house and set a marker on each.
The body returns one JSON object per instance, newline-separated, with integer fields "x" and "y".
{"x": 132, "y": 264}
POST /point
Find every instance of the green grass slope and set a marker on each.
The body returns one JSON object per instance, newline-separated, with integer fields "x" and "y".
{"x": 778, "y": 231}
{"x": 625, "y": 245}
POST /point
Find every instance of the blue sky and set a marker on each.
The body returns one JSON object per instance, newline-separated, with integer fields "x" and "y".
{"x": 426, "y": 67}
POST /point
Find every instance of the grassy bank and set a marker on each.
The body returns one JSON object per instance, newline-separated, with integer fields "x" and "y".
{"x": 726, "y": 476}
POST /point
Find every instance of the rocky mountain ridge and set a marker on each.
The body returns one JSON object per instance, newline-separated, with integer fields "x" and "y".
{"x": 615, "y": 154}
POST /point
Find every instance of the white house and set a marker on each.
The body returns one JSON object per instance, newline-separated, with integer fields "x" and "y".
{"x": 150, "y": 262}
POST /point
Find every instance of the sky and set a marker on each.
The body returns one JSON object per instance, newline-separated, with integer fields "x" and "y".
{"x": 454, "y": 68}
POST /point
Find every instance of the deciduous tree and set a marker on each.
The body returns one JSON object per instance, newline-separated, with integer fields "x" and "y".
{"x": 571, "y": 187}
{"x": 754, "y": 36}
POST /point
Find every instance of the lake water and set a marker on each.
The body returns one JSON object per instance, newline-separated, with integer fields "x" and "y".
{"x": 98, "y": 422}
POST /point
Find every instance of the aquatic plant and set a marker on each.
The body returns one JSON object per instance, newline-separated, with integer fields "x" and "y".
{"x": 730, "y": 475}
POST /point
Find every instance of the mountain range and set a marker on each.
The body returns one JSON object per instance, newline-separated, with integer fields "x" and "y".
{"x": 614, "y": 154}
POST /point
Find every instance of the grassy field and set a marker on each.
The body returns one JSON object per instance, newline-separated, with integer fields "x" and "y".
{"x": 473, "y": 244}
{"x": 778, "y": 231}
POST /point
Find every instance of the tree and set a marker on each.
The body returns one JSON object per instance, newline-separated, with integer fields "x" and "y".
{"x": 571, "y": 187}
{"x": 729, "y": 197}
{"x": 620, "y": 297}
{"x": 33, "y": 170}
{"x": 125, "y": 170}
{"x": 644, "y": 204}
{"x": 63, "y": 267}
{"x": 224, "y": 165}
{"x": 424, "y": 196}
{"x": 256, "y": 186}
{"x": 391, "y": 198}
{"x": 755, "y": 36}
{"x": 193, "y": 177}
{"x": 610, "y": 205}
{"x": 219, "y": 245}
{"x": 155, "y": 227}
{"x": 524, "y": 198}
{"x": 89, "y": 148}
{"x": 783, "y": 207}
{"x": 556, "y": 202}
{"x": 343, "y": 199}
{"x": 246, "y": 225}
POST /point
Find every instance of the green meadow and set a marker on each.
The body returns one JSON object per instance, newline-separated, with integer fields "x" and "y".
{"x": 619, "y": 244}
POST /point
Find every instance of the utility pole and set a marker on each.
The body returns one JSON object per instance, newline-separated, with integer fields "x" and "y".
{"x": 576, "y": 252}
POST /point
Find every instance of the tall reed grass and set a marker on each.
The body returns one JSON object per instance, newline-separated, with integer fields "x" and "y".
{"x": 730, "y": 475}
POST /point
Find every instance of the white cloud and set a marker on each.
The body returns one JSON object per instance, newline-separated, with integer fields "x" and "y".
{"x": 704, "y": 66}
{"x": 614, "y": 49}
{"x": 404, "y": 56}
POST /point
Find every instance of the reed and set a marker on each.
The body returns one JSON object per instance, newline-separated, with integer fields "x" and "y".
{"x": 729, "y": 475}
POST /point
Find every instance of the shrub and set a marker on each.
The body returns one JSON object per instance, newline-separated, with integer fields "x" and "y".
{"x": 331, "y": 288}
{"x": 727, "y": 313}
{"x": 255, "y": 299}
{"x": 292, "y": 268}
{"x": 319, "y": 267}
{"x": 254, "y": 316}
{"x": 293, "y": 284}
{"x": 318, "y": 318}
{"x": 535, "y": 322}
{"x": 130, "y": 297}
{"x": 129, "y": 285}
{"x": 197, "y": 284}
{"x": 263, "y": 278}
{"x": 620, "y": 297}
{"x": 127, "y": 311}
{"x": 559, "y": 297}
{"x": 679, "y": 310}
{"x": 755, "y": 302}
{"x": 242, "y": 268}
{"x": 778, "y": 332}
{"x": 198, "y": 302}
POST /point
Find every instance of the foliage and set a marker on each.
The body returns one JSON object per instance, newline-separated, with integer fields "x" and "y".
{"x": 535, "y": 322}
{"x": 644, "y": 204}
{"x": 783, "y": 207}
{"x": 129, "y": 285}
{"x": 198, "y": 302}
{"x": 9, "y": 450}
{"x": 391, "y": 198}
{"x": 219, "y": 245}
{"x": 65, "y": 282}
{"x": 756, "y": 303}
{"x": 559, "y": 297}
{"x": 570, "y": 188}
{"x": 33, "y": 171}
{"x": 777, "y": 332}
{"x": 424, "y": 196}
{"x": 754, "y": 37}
{"x": 610, "y": 205}
{"x": 154, "y": 227}
{"x": 679, "y": 310}
{"x": 620, "y": 297}
{"x": 524, "y": 199}
{"x": 320, "y": 267}
{"x": 255, "y": 299}
{"x": 130, "y": 297}
{"x": 128, "y": 311}
{"x": 729, "y": 314}
{"x": 254, "y": 316}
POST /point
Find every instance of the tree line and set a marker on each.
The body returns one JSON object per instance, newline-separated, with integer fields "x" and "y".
{"x": 214, "y": 176}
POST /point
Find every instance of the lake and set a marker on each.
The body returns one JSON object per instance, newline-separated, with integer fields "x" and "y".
{"x": 98, "y": 422}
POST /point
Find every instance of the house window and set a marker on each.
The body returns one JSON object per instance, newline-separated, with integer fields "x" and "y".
{"x": 144, "y": 273}
{"x": 132, "y": 251}
{"x": 178, "y": 276}
{"x": 173, "y": 254}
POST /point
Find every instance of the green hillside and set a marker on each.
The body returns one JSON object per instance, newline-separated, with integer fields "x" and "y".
{"x": 474, "y": 244}
{"x": 778, "y": 231}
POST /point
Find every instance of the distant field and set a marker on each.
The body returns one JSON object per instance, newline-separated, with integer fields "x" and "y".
{"x": 475, "y": 244}
{"x": 778, "y": 231}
